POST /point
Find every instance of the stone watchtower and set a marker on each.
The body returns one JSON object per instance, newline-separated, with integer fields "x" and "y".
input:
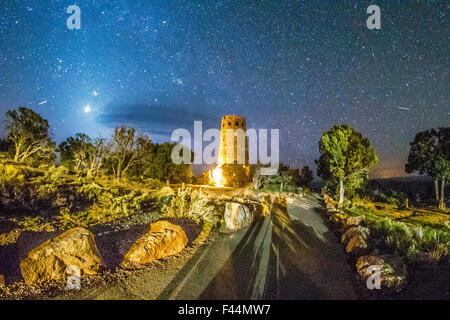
{"x": 239, "y": 139}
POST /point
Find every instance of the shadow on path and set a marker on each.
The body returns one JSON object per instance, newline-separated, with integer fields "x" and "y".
{"x": 275, "y": 258}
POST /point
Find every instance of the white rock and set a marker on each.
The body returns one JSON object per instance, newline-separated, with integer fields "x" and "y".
{"x": 237, "y": 216}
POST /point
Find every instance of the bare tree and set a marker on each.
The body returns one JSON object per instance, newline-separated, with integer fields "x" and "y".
{"x": 125, "y": 150}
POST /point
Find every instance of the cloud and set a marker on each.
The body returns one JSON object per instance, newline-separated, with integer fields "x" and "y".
{"x": 159, "y": 120}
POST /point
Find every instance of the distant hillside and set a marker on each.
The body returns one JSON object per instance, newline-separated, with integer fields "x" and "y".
{"x": 415, "y": 187}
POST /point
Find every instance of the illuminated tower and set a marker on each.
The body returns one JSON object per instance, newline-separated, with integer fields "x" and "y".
{"x": 239, "y": 151}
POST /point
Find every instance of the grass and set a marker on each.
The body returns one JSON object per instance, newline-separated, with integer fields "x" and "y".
{"x": 411, "y": 236}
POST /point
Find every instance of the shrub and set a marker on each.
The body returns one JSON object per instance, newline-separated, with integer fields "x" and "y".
{"x": 204, "y": 209}
{"x": 154, "y": 183}
{"x": 164, "y": 196}
{"x": 435, "y": 253}
{"x": 109, "y": 204}
{"x": 192, "y": 205}
{"x": 393, "y": 201}
{"x": 436, "y": 243}
{"x": 54, "y": 175}
{"x": 36, "y": 224}
{"x": 122, "y": 205}
{"x": 9, "y": 238}
{"x": 70, "y": 220}
{"x": 396, "y": 235}
{"x": 412, "y": 253}
{"x": 52, "y": 178}
{"x": 400, "y": 238}
{"x": 91, "y": 190}
{"x": 11, "y": 175}
{"x": 47, "y": 189}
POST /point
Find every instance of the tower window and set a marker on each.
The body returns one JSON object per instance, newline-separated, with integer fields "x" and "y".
{"x": 229, "y": 124}
{"x": 237, "y": 123}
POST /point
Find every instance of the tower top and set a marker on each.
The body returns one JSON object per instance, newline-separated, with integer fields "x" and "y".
{"x": 233, "y": 122}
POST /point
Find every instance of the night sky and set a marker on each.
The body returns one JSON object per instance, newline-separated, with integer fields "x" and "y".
{"x": 297, "y": 66}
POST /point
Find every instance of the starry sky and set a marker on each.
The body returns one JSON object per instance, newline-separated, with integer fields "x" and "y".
{"x": 297, "y": 66}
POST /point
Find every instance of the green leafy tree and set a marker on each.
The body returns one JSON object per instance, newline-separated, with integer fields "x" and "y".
{"x": 29, "y": 135}
{"x": 429, "y": 154}
{"x": 306, "y": 177}
{"x": 158, "y": 164}
{"x": 236, "y": 175}
{"x": 345, "y": 158}
{"x": 5, "y": 148}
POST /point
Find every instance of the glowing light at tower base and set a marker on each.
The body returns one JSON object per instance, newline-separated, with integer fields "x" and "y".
{"x": 216, "y": 177}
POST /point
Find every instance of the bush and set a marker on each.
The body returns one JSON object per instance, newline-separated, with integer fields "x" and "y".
{"x": 69, "y": 220}
{"x": 36, "y": 224}
{"x": 154, "y": 183}
{"x": 54, "y": 175}
{"x": 109, "y": 204}
{"x": 91, "y": 190}
{"x": 400, "y": 238}
{"x": 436, "y": 243}
{"x": 11, "y": 175}
{"x": 195, "y": 206}
{"x": 52, "y": 178}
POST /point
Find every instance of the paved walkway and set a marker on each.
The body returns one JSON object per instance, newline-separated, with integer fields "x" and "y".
{"x": 290, "y": 254}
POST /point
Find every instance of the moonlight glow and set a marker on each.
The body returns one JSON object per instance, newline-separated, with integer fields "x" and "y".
{"x": 87, "y": 109}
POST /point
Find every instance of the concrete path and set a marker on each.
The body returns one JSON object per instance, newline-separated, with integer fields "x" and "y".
{"x": 289, "y": 255}
{"x": 286, "y": 255}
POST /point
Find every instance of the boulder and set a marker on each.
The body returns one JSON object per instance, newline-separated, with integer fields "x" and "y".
{"x": 356, "y": 245}
{"x": 338, "y": 218}
{"x": 391, "y": 267}
{"x": 332, "y": 211}
{"x": 164, "y": 239}
{"x": 237, "y": 216}
{"x": 353, "y": 231}
{"x": 50, "y": 260}
{"x": 355, "y": 221}
{"x": 330, "y": 206}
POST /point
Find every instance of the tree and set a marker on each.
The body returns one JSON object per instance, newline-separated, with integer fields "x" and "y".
{"x": 306, "y": 177}
{"x": 74, "y": 151}
{"x": 125, "y": 150}
{"x": 235, "y": 174}
{"x": 258, "y": 179}
{"x": 97, "y": 152}
{"x": 5, "y": 148}
{"x": 429, "y": 154}
{"x": 83, "y": 154}
{"x": 345, "y": 157}
{"x": 284, "y": 180}
{"x": 158, "y": 164}
{"x": 29, "y": 134}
